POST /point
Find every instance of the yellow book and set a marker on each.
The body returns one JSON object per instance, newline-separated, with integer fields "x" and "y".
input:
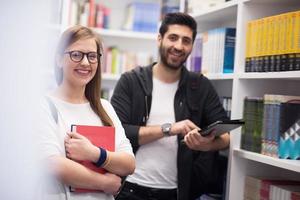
{"x": 265, "y": 25}
{"x": 296, "y": 37}
{"x": 282, "y": 34}
{"x": 259, "y": 37}
{"x": 277, "y": 21}
{"x": 248, "y": 47}
{"x": 248, "y": 39}
{"x": 254, "y": 39}
{"x": 270, "y": 35}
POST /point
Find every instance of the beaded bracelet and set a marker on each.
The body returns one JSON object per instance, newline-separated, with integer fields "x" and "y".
{"x": 102, "y": 157}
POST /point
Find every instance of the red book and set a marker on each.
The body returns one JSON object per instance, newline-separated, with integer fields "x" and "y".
{"x": 100, "y": 136}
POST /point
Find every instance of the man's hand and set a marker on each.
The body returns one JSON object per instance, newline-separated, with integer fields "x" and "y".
{"x": 80, "y": 148}
{"x": 182, "y": 127}
{"x": 197, "y": 142}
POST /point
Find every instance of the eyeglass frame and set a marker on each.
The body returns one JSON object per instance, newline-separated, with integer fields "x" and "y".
{"x": 84, "y": 54}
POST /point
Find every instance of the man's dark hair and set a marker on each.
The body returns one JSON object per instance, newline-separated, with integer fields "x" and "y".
{"x": 180, "y": 19}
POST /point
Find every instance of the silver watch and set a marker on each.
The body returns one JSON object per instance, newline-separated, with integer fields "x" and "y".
{"x": 166, "y": 128}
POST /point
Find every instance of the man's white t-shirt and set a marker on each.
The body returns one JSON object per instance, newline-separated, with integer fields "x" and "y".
{"x": 156, "y": 162}
{"x": 52, "y": 134}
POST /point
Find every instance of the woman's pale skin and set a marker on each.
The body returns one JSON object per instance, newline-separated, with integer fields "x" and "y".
{"x": 75, "y": 78}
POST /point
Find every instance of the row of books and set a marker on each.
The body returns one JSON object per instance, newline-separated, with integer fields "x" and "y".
{"x": 258, "y": 188}
{"x": 273, "y": 44}
{"x": 117, "y": 61}
{"x": 213, "y": 52}
{"x": 272, "y": 125}
{"x": 143, "y": 17}
{"x": 194, "y": 61}
{"x": 89, "y": 13}
{"x": 226, "y": 102}
{"x": 169, "y": 6}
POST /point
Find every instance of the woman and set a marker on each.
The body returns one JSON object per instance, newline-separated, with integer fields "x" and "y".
{"x": 77, "y": 101}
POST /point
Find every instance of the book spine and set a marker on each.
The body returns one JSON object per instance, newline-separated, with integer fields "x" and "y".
{"x": 229, "y": 49}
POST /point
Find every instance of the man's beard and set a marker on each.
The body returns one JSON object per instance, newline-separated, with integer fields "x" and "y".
{"x": 163, "y": 52}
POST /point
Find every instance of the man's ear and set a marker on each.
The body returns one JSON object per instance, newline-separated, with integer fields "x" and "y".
{"x": 159, "y": 39}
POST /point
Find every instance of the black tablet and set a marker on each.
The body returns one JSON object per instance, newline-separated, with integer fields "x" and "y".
{"x": 221, "y": 127}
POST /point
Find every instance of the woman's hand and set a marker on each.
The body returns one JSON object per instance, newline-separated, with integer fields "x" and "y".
{"x": 197, "y": 142}
{"x": 112, "y": 184}
{"x": 79, "y": 148}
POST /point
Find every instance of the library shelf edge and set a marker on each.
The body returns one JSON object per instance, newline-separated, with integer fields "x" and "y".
{"x": 292, "y": 165}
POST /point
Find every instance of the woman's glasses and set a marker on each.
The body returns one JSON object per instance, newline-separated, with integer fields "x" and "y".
{"x": 77, "y": 56}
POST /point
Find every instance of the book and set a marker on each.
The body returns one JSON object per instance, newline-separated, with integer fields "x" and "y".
{"x": 283, "y": 192}
{"x": 252, "y": 130}
{"x": 100, "y": 136}
{"x": 276, "y": 122}
{"x": 289, "y": 142}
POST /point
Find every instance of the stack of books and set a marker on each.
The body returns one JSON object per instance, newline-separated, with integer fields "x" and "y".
{"x": 218, "y": 51}
{"x": 272, "y": 43}
{"x": 272, "y": 125}
{"x": 270, "y": 188}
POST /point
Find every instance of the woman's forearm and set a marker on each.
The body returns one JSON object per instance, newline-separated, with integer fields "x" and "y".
{"x": 120, "y": 163}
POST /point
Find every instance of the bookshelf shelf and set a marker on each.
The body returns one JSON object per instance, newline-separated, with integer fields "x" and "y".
{"x": 292, "y": 75}
{"x": 292, "y": 165}
{"x": 284, "y": 3}
{"x": 220, "y": 76}
{"x": 126, "y": 34}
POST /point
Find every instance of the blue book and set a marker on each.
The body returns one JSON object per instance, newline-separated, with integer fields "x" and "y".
{"x": 229, "y": 49}
{"x": 289, "y": 144}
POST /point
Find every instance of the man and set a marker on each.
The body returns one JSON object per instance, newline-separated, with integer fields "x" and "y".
{"x": 154, "y": 107}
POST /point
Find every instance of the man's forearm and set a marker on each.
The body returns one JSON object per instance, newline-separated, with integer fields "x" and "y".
{"x": 149, "y": 134}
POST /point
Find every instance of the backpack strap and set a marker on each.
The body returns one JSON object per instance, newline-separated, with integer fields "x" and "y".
{"x": 53, "y": 109}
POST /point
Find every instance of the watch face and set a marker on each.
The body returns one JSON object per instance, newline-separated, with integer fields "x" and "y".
{"x": 166, "y": 128}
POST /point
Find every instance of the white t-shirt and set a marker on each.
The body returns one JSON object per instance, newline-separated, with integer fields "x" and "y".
{"x": 52, "y": 134}
{"x": 156, "y": 162}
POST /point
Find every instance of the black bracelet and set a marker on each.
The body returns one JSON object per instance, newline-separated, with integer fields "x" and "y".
{"x": 102, "y": 157}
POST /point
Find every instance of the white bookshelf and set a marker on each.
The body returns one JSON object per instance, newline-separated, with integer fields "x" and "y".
{"x": 218, "y": 16}
{"x": 241, "y": 162}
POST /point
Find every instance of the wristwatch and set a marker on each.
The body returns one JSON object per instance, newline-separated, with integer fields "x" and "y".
{"x": 166, "y": 128}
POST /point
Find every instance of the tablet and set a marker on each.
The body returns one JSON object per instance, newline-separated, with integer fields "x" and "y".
{"x": 221, "y": 127}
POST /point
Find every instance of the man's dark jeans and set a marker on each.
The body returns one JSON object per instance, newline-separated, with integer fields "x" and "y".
{"x": 132, "y": 191}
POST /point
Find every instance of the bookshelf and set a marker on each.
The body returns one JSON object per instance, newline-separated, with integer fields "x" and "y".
{"x": 241, "y": 162}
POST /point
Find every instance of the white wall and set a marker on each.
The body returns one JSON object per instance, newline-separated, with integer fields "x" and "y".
{"x": 24, "y": 56}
